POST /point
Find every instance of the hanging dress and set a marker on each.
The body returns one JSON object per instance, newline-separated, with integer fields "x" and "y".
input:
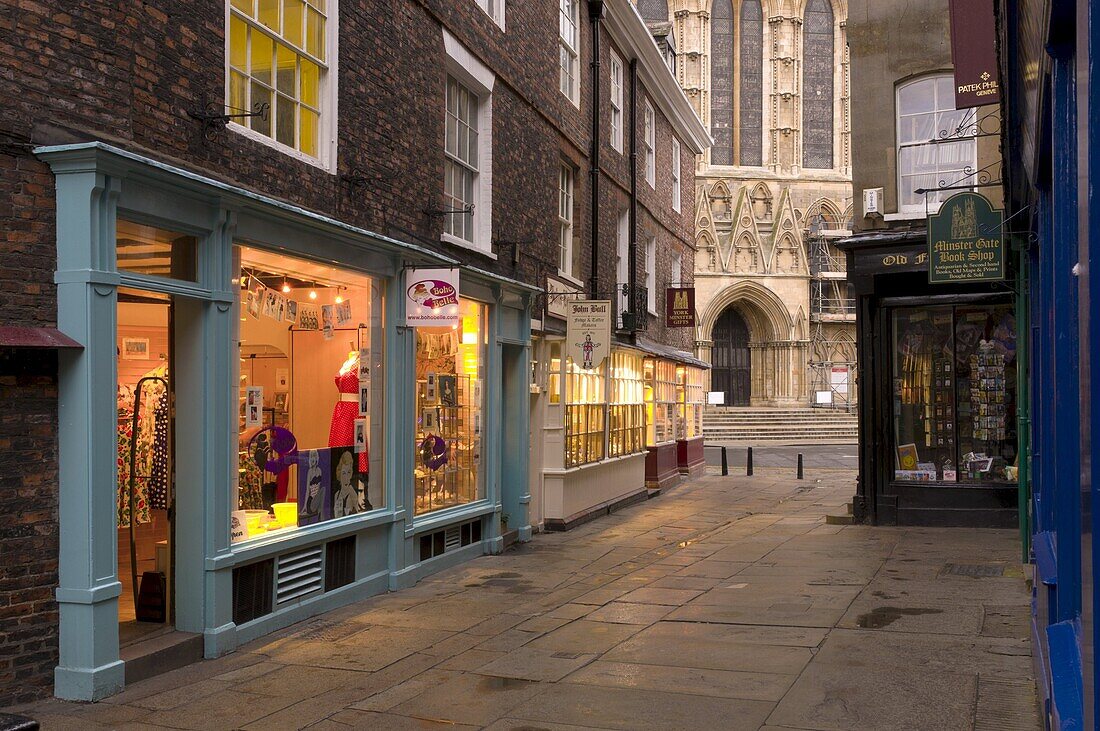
{"x": 344, "y": 414}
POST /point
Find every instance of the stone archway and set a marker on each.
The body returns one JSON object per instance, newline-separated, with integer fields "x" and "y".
{"x": 731, "y": 358}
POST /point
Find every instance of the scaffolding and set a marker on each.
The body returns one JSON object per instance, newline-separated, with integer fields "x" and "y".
{"x": 832, "y": 357}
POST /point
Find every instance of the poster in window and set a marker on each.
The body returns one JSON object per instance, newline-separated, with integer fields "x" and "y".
{"x": 309, "y": 317}
{"x": 328, "y": 321}
{"x": 291, "y": 311}
{"x": 907, "y": 457}
{"x": 254, "y": 404}
{"x": 347, "y": 495}
{"x": 343, "y": 312}
{"x": 360, "y": 436}
{"x": 313, "y": 487}
{"x": 282, "y": 380}
{"x": 364, "y": 364}
{"x": 448, "y": 390}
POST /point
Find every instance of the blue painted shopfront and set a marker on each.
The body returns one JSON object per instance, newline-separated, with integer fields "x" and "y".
{"x": 1052, "y": 112}
{"x": 394, "y": 544}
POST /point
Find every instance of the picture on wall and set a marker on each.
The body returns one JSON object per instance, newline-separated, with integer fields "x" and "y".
{"x": 314, "y": 481}
{"x": 135, "y": 349}
{"x": 448, "y": 390}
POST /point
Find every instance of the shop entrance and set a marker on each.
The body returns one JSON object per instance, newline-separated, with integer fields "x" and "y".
{"x": 731, "y": 358}
{"x": 144, "y": 498}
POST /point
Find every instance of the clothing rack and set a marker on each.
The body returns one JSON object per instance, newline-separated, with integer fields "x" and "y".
{"x": 135, "y": 429}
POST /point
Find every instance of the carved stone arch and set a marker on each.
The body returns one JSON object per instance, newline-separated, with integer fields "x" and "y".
{"x": 707, "y": 258}
{"x": 847, "y": 217}
{"x": 788, "y": 255}
{"x": 828, "y": 210}
{"x": 800, "y": 331}
{"x": 762, "y": 200}
{"x": 844, "y": 349}
{"x": 721, "y": 202}
{"x": 746, "y": 255}
{"x": 766, "y": 315}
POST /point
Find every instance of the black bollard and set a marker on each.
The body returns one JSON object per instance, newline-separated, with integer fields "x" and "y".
{"x": 800, "y": 465}
{"x": 748, "y": 463}
{"x": 725, "y": 464}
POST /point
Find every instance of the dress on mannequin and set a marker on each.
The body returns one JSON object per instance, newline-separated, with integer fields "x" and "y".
{"x": 346, "y": 411}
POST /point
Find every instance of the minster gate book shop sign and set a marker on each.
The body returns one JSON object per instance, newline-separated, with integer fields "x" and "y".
{"x": 965, "y": 243}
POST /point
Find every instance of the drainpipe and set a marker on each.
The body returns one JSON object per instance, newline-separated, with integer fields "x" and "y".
{"x": 632, "y": 253}
{"x": 1023, "y": 401}
{"x": 595, "y": 14}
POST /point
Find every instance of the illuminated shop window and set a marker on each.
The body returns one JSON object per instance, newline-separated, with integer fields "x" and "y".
{"x": 626, "y": 434}
{"x": 689, "y": 402}
{"x": 660, "y": 400}
{"x": 585, "y": 414}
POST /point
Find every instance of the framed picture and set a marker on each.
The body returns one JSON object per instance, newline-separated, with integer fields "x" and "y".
{"x": 135, "y": 349}
{"x": 280, "y": 401}
{"x": 428, "y": 420}
{"x": 282, "y": 380}
{"x": 360, "y": 435}
{"x": 364, "y": 398}
{"x": 907, "y": 457}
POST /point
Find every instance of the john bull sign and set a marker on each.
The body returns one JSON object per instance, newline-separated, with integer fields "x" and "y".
{"x": 965, "y": 241}
{"x": 588, "y": 332}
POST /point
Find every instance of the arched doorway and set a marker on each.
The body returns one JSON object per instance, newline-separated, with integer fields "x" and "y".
{"x": 730, "y": 358}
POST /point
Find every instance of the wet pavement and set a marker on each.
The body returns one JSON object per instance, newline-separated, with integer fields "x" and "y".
{"x": 724, "y": 603}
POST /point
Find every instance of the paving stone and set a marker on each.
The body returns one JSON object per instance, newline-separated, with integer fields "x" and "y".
{"x": 372, "y": 721}
{"x": 697, "y": 681}
{"x": 228, "y": 709}
{"x": 423, "y": 683}
{"x": 628, "y": 613}
{"x": 667, "y": 597}
{"x": 470, "y": 660}
{"x": 530, "y": 663}
{"x": 585, "y": 636}
{"x": 471, "y": 699}
{"x": 713, "y": 646}
{"x": 515, "y": 724}
{"x": 639, "y": 710}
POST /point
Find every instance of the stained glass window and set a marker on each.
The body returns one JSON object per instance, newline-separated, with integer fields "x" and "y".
{"x": 817, "y": 86}
{"x": 751, "y": 74}
{"x": 721, "y": 82}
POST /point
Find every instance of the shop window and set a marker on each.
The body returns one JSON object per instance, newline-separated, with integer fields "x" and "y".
{"x": 616, "y": 102}
{"x": 310, "y": 394}
{"x": 585, "y": 414}
{"x": 660, "y": 400}
{"x": 926, "y": 108}
{"x": 689, "y": 402}
{"x": 450, "y": 362}
{"x": 676, "y": 175}
{"x": 554, "y": 381}
{"x": 954, "y": 394}
{"x": 626, "y": 434}
{"x": 278, "y": 56}
{"x": 569, "y": 49}
{"x": 155, "y": 252}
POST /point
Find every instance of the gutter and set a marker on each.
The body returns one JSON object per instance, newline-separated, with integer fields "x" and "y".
{"x": 595, "y": 14}
{"x": 632, "y": 253}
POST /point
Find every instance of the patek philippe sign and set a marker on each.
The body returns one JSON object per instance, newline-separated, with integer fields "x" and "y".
{"x": 680, "y": 307}
{"x": 974, "y": 53}
{"x": 965, "y": 243}
{"x": 588, "y": 332}
{"x": 431, "y": 297}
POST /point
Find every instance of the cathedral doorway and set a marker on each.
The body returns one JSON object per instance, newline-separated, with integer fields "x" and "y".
{"x": 730, "y": 358}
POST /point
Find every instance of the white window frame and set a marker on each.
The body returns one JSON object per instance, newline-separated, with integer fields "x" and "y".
{"x": 328, "y": 93}
{"x": 650, "y": 142}
{"x": 920, "y": 209}
{"x": 569, "y": 49}
{"x": 469, "y": 71}
{"x": 676, "y": 175}
{"x": 622, "y": 266}
{"x": 566, "y": 189}
{"x": 677, "y": 275}
{"x": 651, "y": 274}
{"x": 494, "y": 9}
{"x": 616, "y": 102}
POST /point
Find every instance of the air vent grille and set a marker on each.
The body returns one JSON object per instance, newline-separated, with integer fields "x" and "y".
{"x": 452, "y": 539}
{"x": 449, "y": 539}
{"x": 339, "y": 563}
{"x": 299, "y": 575}
{"x": 252, "y": 591}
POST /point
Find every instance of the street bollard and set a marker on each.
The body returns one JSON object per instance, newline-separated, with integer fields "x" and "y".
{"x": 748, "y": 463}
{"x": 725, "y": 464}
{"x": 800, "y": 465}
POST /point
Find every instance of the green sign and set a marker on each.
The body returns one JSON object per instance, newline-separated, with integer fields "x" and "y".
{"x": 965, "y": 242}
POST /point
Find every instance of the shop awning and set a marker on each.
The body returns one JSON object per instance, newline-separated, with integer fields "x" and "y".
{"x": 669, "y": 352}
{"x": 12, "y": 336}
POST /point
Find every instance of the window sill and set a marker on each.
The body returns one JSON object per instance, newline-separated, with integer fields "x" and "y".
{"x": 464, "y": 244}
{"x": 569, "y": 279}
{"x": 276, "y": 145}
{"x": 909, "y": 215}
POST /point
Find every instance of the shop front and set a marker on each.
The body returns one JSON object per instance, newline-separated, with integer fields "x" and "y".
{"x": 938, "y": 391}
{"x": 258, "y": 428}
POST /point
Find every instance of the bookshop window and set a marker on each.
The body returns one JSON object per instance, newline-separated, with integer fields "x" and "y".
{"x": 627, "y": 410}
{"x": 954, "y": 383}
{"x": 660, "y": 400}
{"x": 689, "y": 402}
{"x": 554, "y": 383}
{"x": 585, "y": 411}
{"x": 450, "y": 377}
{"x": 309, "y": 446}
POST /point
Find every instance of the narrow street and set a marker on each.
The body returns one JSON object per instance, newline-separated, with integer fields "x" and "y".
{"x": 724, "y": 603}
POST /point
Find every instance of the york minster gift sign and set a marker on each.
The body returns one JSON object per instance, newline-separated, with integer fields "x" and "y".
{"x": 965, "y": 242}
{"x": 588, "y": 332}
{"x": 680, "y": 307}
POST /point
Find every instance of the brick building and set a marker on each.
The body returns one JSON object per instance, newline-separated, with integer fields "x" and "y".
{"x": 210, "y": 211}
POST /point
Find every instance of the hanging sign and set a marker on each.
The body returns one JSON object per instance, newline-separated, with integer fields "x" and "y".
{"x": 965, "y": 243}
{"x": 974, "y": 53}
{"x": 431, "y": 297}
{"x": 588, "y": 332}
{"x": 680, "y": 307}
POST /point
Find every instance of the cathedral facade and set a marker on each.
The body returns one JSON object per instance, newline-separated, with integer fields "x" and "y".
{"x": 770, "y": 80}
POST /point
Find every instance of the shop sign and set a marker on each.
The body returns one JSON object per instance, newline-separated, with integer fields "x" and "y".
{"x": 431, "y": 297}
{"x": 974, "y": 53}
{"x": 588, "y": 332}
{"x": 965, "y": 242}
{"x": 898, "y": 259}
{"x": 680, "y": 307}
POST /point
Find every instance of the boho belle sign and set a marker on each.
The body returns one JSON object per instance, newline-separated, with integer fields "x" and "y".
{"x": 680, "y": 307}
{"x": 965, "y": 243}
{"x": 431, "y": 297}
{"x": 588, "y": 332}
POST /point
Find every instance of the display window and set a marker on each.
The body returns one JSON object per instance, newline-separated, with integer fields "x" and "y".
{"x": 689, "y": 402}
{"x": 585, "y": 414}
{"x": 450, "y": 373}
{"x": 626, "y": 418}
{"x": 310, "y": 340}
{"x": 660, "y": 400}
{"x": 954, "y": 393}
{"x": 156, "y": 252}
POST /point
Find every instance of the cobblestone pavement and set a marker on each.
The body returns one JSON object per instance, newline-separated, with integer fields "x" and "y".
{"x": 726, "y": 603}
